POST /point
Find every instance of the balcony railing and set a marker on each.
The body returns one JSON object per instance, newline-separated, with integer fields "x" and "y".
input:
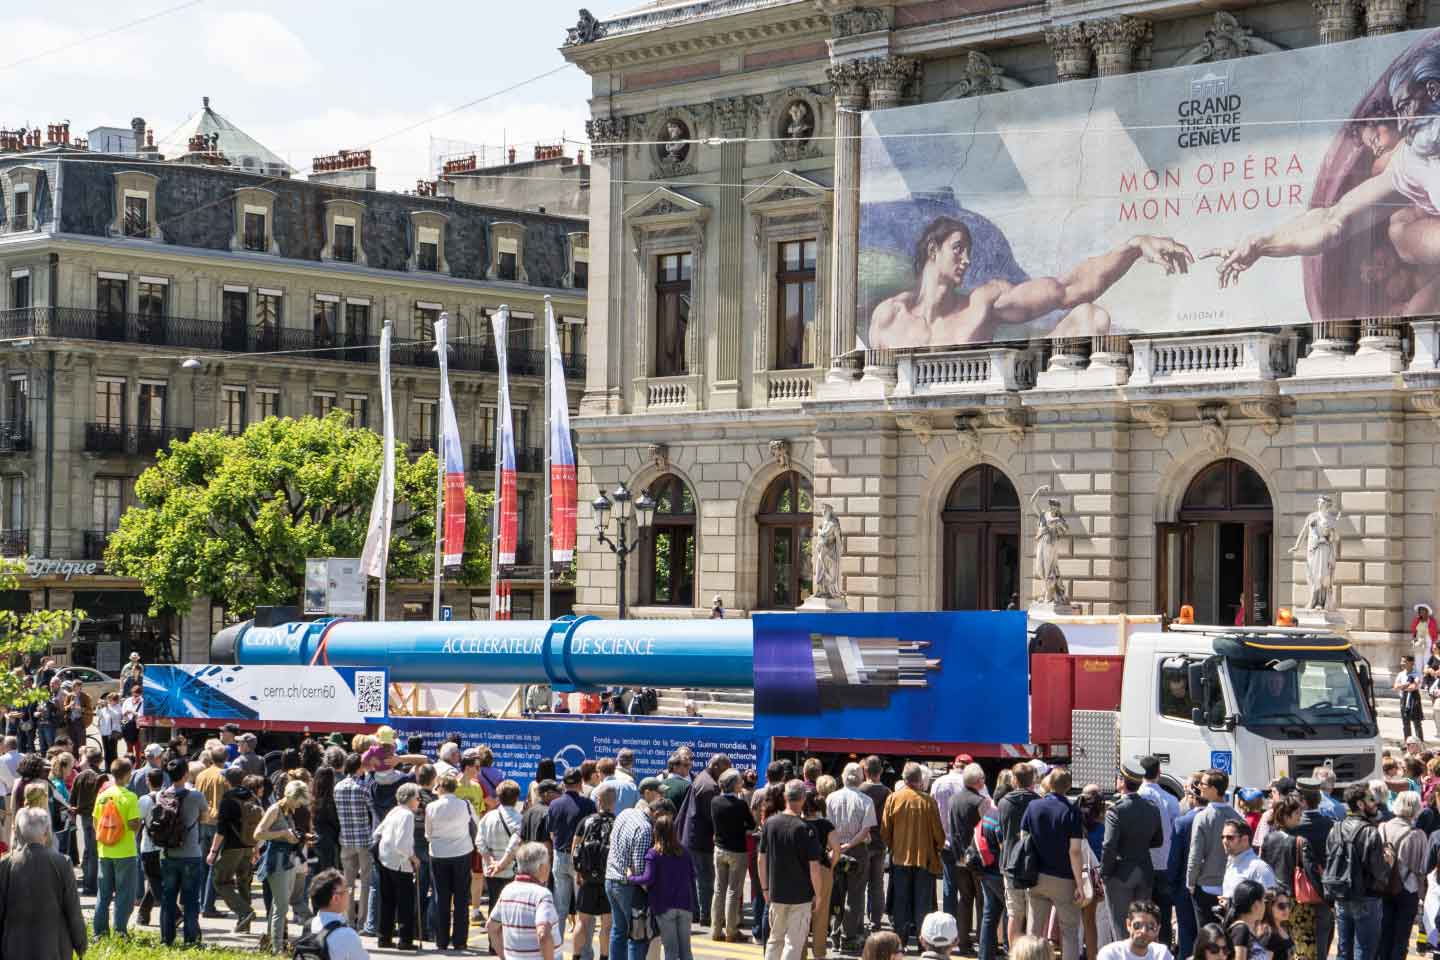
{"x": 151, "y": 440}
{"x": 210, "y": 335}
{"x": 14, "y": 543}
{"x": 109, "y": 438}
{"x": 14, "y": 436}
{"x": 482, "y": 456}
{"x": 527, "y": 459}
{"x": 93, "y": 544}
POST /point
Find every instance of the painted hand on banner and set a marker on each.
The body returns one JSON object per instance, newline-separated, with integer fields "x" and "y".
{"x": 1174, "y": 256}
{"x": 1235, "y": 260}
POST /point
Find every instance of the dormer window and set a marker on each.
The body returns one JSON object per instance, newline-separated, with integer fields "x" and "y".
{"x": 20, "y": 216}
{"x": 134, "y": 210}
{"x": 428, "y": 250}
{"x": 137, "y": 215}
{"x": 577, "y": 246}
{"x": 254, "y": 221}
{"x": 343, "y": 240}
{"x": 255, "y": 230}
{"x": 507, "y": 252}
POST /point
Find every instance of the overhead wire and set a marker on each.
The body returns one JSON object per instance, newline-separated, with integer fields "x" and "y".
{"x": 100, "y": 35}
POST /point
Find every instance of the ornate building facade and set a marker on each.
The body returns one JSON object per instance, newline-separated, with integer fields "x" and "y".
{"x": 723, "y": 374}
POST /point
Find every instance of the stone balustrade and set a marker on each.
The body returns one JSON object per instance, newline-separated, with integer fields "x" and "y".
{"x": 786, "y": 387}
{"x": 1213, "y": 358}
{"x": 965, "y": 371}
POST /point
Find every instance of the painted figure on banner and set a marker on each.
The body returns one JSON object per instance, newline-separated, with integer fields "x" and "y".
{"x": 1320, "y": 536}
{"x": 1050, "y": 528}
{"x": 940, "y": 311}
{"x": 825, "y": 553}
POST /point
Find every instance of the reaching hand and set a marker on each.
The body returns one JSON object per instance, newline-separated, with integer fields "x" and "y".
{"x": 1175, "y": 257}
{"x": 1236, "y": 260}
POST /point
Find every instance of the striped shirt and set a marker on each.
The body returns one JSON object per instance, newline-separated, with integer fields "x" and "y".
{"x": 630, "y": 838}
{"x": 523, "y": 907}
{"x": 352, "y": 805}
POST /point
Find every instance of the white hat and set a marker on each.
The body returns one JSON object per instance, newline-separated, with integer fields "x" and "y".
{"x": 1425, "y": 605}
{"x": 938, "y": 930}
{"x": 1041, "y": 767}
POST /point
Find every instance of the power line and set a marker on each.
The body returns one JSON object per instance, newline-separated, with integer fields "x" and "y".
{"x": 103, "y": 33}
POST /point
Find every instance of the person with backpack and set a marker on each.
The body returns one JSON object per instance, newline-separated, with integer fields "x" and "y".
{"x": 90, "y": 778}
{"x": 232, "y": 850}
{"x": 174, "y": 825}
{"x": 1356, "y": 876}
{"x": 117, "y": 821}
{"x": 963, "y": 814}
{"x": 986, "y": 861}
{"x": 590, "y": 853}
{"x": 1010, "y": 812}
{"x": 1407, "y": 850}
{"x": 330, "y": 937}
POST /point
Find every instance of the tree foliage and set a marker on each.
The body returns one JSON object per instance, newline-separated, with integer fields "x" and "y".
{"x": 24, "y": 634}
{"x": 235, "y": 517}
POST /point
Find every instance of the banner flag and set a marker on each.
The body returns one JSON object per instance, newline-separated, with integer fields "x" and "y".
{"x": 563, "y": 487}
{"x": 507, "y": 498}
{"x": 452, "y": 457}
{"x": 374, "y": 557}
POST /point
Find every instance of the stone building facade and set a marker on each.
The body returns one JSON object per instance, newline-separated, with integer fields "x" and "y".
{"x": 1184, "y": 464}
{"x": 143, "y": 299}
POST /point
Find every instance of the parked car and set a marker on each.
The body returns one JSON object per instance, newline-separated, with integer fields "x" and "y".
{"x": 92, "y": 681}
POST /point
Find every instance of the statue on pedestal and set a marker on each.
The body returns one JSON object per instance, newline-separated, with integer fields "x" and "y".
{"x": 1320, "y": 535}
{"x": 1050, "y": 528}
{"x": 825, "y": 550}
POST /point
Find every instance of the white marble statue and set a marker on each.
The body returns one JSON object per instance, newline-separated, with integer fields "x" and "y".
{"x": 825, "y": 550}
{"x": 1050, "y": 527}
{"x": 1320, "y": 535}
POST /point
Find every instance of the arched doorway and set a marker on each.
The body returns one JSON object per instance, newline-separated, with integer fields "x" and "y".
{"x": 786, "y": 519}
{"x": 981, "y": 519}
{"x": 667, "y": 568}
{"x": 1218, "y": 555}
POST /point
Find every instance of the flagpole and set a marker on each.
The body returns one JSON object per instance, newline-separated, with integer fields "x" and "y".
{"x": 375, "y": 557}
{"x": 549, "y": 547}
{"x": 439, "y": 475}
{"x": 495, "y": 506}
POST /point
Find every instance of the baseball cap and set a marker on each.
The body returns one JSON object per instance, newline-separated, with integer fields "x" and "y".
{"x": 961, "y": 759}
{"x": 385, "y": 734}
{"x": 938, "y": 930}
{"x": 1413, "y": 739}
{"x": 154, "y": 750}
{"x": 649, "y": 783}
{"x": 1250, "y": 794}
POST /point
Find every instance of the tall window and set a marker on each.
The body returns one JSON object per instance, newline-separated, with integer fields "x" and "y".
{"x": 20, "y": 291}
{"x": 425, "y": 319}
{"x": 422, "y": 424}
{"x": 267, "y": 321}
{"x": 427, "y": 249}
{"x": 487, "y": 428}
{"x": 232, "y": 410}
{"x": 110, "y": 301}
{"x": 344, "y": 246}
{"x": 110, "y": 402}
{"x": 668, "y": 568}
{"x": 786, "y": 519}
{"x": 505, "y": 265}
{"x": 267, "y": 403}
{"x": 572, "y": 338}
{"x": 524, "y": 500}
{"x": 14, "y": 515}
{"x": 672, "y": 313}
{"x": 794, "y": 304}
{"x": 108, "y": 498}
{"x": 358, "y": 406}
{"x": 357, "y": 324}
{"x": 582, "y": 274}
{"x": 981, "y": 519}
{"x": 150, "y": 311}
{"x": 21, "y": 219}
{"x": 326, "y": 324}
{"x": 151, "y": 414}
{"x": 255, "y": 232}
{"x": 235, "y": 317}
{"x": 137, "y": 216}
{"x": 321, "y": 404}
{"x": 17, "y": 397}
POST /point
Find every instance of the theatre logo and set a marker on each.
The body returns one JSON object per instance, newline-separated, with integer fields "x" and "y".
{"x": 1211, "y": 115}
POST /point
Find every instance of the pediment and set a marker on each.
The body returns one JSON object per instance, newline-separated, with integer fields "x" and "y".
{"x": 787, "y": 189}
{"x": 663, "y": 205}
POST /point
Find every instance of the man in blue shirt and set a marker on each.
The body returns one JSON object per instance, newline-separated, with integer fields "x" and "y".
{"x": 1169, "y": 809}
{"x": 565, "y": 813}
{"x": 1176, "y": 865}
{"x": 1058, "y": 831}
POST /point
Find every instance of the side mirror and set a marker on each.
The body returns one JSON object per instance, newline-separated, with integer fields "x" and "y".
{"x": 1195, "y": 680}
{"x": 1197, "y": 716}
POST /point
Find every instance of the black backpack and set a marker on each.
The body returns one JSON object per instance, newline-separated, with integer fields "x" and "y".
{"x": 314, "y": 945}
{"x": 594, "y": 847}
{"x": 1344, "y": 877}
{"x": 166, "y": 826}
{"x": 1022, "y": 864}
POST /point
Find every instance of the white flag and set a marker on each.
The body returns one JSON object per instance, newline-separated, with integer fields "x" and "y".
{"x": 376, "y": 555}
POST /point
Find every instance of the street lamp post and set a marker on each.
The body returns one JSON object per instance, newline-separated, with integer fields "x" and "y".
{"x": 625, "y": 542}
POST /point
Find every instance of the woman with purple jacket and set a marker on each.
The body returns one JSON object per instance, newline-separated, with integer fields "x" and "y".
{"x": 669, "y": 879}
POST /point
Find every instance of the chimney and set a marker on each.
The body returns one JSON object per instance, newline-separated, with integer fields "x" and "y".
{"x": 512, "y": 154}
{"x": 348, "y": 168}
{"x": 137, "y": 130}
{"x": 580, "y": 157}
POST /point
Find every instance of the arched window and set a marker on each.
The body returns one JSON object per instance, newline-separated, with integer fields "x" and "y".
{"x": 786, "y": 518}
{"x": 1218, "y": 554}
{"x": 668, "y": 568}
{"x": 981, "y": 520}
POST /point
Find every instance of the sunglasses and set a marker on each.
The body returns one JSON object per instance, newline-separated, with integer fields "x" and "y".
{"x": 1281, "y": 905}
{"x": 1144, "y": 925}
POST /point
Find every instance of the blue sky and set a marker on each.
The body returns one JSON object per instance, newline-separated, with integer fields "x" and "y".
{"x": 305, "y": 78}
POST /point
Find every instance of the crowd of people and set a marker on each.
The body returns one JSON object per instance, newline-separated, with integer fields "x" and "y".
{"x": 363, "y": 838}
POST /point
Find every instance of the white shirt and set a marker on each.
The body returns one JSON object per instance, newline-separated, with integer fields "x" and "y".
{"x": 147, "y": 802}
{"x": 1120, "y": 950}
{"x": 522, "y": 908}
{"x": 109, "y": 720}
{"x": 1247, "y": 866}
{"x": 945, "y": 789}
{"x": 499, "y": 834}
{"x": 397, "y": 839}
{"x": 622, "y": 774}
{"x": 447, "y": 827}
{"x": 1169, "y": 809}
{"x": 9, "y": 771}
{"x": 131, "y": 709}
{"x": 343, "y": 942}
{"x": 442, "y": 769}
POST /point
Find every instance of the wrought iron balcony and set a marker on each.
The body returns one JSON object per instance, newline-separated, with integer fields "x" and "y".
{"x": 421, "y": 445}
{"x": 108, "y": 438}
{"x": 151, "y": 440}
{"x": 94, "y": 543}
{"x": 482, "y": 456}
{"x": 524, "y": 553}
{"x": 529, "y": 459}
{"x": 14, "y": 543}
{"x": 14, "y": 436}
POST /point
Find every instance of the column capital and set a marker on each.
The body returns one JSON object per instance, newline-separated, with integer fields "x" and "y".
{"x": 888, "y": 79}
{"x": 1070, "y": 45}
{"x": 1391, "y": 16}
{"x": 1338, "y": 19}
{"x": 735, "y": 115}
{"x": 1115, "y": 41}
{"x": 850, "y": 80}
{"x": 606, "y": 135}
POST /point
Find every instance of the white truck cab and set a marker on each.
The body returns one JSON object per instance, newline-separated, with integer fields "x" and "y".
{"x": 1256, "y": 702}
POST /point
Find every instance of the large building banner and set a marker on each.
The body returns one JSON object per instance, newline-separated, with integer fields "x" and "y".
{"x": 1269, "y": 190}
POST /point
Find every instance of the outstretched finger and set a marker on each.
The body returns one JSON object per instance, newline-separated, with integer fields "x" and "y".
{"x": 1214, "y": 253}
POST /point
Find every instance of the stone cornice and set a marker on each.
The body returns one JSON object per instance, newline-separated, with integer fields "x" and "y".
{"x": 703, "y": 28}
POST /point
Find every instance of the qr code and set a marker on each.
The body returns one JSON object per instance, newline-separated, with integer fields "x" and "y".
{"x": 370, "y": 693}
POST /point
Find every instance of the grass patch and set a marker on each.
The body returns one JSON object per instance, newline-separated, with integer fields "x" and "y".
{"x": 147, "y": 946}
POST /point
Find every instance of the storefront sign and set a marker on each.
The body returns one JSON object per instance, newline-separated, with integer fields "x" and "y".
{"x": 318, "y": 695}
{"x": 1161, "y": 202}
{"x": 64, "y": 568}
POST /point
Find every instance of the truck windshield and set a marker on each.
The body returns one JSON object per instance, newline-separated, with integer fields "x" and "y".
{"x": 1308, "y": 696}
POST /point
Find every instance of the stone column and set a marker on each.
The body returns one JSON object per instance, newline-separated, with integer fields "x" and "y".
{"x": 849, "y": 80}
{"x": 602, "y": 391}
{"x": 1338, "y": 20}
{"x": 1116, "y": 41}
{"x": 889, "y": 79}
{"x": 1386, "y": 16}
{"x": 733, "y": 116}
{"x": 1070, "y": 44}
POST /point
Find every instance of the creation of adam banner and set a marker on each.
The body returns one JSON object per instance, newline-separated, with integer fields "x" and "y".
{"x": 1264, "y": 191}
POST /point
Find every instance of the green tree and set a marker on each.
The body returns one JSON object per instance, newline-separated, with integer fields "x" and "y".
{"x": 24, "y": 634}
{"x": 235, "y": 517}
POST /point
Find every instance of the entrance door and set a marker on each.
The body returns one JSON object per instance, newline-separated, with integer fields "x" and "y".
{"x": 1218, "y": 557}
{"x": 981, "y": 542}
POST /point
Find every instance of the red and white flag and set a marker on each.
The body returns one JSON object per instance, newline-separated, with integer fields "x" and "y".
{"x": 507, "y": 501}
{"x": 452, "y": 457}
{"x": 376, "y": 554}
{"x": 563, "y": 489}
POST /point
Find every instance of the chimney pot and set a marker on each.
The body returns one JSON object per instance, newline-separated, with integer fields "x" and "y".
{"x": 512, "y": 154}
{"x": 206, "y": 102}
